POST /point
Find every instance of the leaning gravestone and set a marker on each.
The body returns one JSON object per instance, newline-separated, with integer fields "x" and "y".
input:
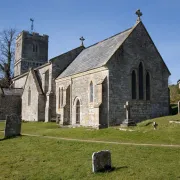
{"x": 101, "y": 161}
{"x": 13, "y": 126}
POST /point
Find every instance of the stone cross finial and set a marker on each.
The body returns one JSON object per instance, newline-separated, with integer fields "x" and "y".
{"x": 139, "y": 14}
{"x": 82, "y": 40}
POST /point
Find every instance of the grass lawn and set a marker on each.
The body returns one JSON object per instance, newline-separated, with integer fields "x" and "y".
{"x": 166, "y": 133}
{"x": 39, "y": 158}
{"x": 29, "y": 158}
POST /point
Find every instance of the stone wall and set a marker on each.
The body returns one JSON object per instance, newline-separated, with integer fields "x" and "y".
{"x": 19, "y": 82}
{"x": 80, "y": 91}
{"x": 30, "y": 110}
{"x": 137, "y": 48}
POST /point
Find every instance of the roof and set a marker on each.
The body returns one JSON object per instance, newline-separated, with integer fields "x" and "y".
{"x": 65, "y": 54}
{"x": 96, "y": 55}
{"x": 26, "y": 73}
{"x": 34, "y": 75}
{"x": 12, "y": 91}
{"x": 61, "y": 62}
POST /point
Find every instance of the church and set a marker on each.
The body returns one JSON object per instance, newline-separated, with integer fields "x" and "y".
{"x": 89, "y": 86}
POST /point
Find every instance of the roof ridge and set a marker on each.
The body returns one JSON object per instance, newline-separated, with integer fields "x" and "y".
{"x": 109, "y": 37}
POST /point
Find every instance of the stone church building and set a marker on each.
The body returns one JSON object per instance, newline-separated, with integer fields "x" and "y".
{"x": 89, "y": 86}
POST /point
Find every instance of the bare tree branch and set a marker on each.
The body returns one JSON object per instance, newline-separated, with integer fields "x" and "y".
{"x": 7, "y": 51}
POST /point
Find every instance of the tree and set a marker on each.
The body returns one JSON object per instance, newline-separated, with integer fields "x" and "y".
{"x": 7, "y": 53}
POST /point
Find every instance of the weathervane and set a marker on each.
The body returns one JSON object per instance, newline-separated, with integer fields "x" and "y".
{"x": 32, "y": 24}
{"x": 82, "y": 40}
{"x": 139, "y": 14}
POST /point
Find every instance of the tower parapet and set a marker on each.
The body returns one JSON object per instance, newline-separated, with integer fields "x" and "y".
{"x": 31, "y": 51}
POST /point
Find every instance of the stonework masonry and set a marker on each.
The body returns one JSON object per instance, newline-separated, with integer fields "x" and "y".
{"x": 41, "y": 83}
{"x": 77, "y": 88}
{"x": 31, "y": 51}
{"x": 89, "y": 86}
{"x": 116, "y": 86}
{"x": 137, "y": 48}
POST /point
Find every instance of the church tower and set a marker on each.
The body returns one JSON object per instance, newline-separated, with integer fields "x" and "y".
{"x": 31, "y": 51}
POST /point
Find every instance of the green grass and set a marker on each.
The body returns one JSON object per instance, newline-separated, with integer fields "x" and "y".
{"x": 29, "y": 158}
{"x": 39, "y": 158}
{"x": 166, "y": 132}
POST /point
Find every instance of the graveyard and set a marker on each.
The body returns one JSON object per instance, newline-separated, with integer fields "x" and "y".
{"x": 49, "y": 156}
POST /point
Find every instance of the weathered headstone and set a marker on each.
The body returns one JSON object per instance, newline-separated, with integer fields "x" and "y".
{"x": 128, "y": 121}
{"x": 101, "y": 161}
{"x": 13, "y": 126}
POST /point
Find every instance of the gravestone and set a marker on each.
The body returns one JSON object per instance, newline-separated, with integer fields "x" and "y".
{"x": 101, "y": 161}
{"x": 13, "y": 126}
{"x": 128, "y": 121}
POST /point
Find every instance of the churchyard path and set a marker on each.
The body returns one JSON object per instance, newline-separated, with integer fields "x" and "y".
{"x": 105, "y": 142}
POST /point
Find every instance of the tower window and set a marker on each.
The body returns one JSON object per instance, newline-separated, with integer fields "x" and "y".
{"x": 35, "y": 47}
{"x": 133, "y": 85}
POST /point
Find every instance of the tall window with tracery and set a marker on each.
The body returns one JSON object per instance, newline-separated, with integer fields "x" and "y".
{"x": 141, "y": 85}
{"x": 61, "y": 96}
{"x": 133, "y": 85}
{"x": 91, "y": 92}
{"x": 148, "y": 83}
{"x": 59, "y": 99}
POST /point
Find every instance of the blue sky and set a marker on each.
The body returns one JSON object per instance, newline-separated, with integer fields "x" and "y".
{"x": 65, "y": 21}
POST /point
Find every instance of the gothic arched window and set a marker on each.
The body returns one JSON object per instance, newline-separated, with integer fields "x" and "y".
{"x": 29, "y": 96}
{"x": 133, "y": 85}
{"x": 148, "y": 93}
{"x": 141, "y": 86}
{"x": 59, "y": 99}
{"x": 91, "y": 92}
{"x": 61, "y": 96}
{"x": 78, "y": 112}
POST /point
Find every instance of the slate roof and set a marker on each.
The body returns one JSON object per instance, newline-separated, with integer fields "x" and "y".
{"x": 96, "y": 55}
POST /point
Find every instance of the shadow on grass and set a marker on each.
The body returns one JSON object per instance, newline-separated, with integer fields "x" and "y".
{"x": 111, "y": 169}
{"x": 122, "y": 167}
{"x": 147, "y": 124}
{"x": 13, "y": 137}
